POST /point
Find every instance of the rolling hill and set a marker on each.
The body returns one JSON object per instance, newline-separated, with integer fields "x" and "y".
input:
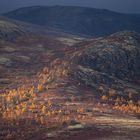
{"x": 117, "y": 55}
{"x": 78, "y": 20}
{"x": 49, "y": 90}
{"x": 11, "y": 29}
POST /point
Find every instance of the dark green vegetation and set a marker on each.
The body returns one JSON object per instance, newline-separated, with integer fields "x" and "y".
{"x": 78, "y": 20}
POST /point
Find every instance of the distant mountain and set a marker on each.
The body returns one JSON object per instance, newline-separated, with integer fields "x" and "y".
{"x": 11, "y": 29}
{"x": 78, "y": 20}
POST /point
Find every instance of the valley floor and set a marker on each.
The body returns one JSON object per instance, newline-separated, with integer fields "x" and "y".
{"x": 79, "y": 117}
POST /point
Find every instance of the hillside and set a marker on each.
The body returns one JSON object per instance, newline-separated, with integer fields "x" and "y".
{"x": 78, "y": 20}
{"x": 50, "y": 90}
{"x": 117, "y": 55}
{"x": 11, "y": 29}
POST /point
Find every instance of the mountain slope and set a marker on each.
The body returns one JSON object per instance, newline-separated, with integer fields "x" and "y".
{"x": 11, "y": 29}
{"x": 117, "y": 55}
{"x": 78, "y": 20}
{"x": 60, "y": 92}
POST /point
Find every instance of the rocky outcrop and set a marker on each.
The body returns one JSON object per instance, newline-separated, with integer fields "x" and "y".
{"x": 90, "y": 77}
{"x": 117, "y": 55}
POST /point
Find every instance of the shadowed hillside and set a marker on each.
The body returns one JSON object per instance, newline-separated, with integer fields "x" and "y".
{"x": 11, "y": 29}
{"x": 117, "y": 55}
{"x": 78, "y": 20}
